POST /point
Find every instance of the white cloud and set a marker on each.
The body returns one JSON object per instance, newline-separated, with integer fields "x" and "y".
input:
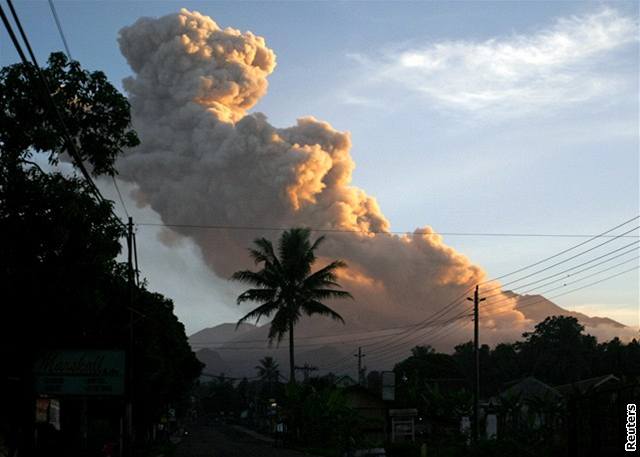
{"x": 566, "y": 63}
{"x": 357, "y": 100}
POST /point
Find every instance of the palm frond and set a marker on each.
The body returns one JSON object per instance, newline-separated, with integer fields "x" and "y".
{"x": 265, "y": 252}
{"x": 315, "y": 307}
{"x": 317, "y": 243}
{"x": 263, "y": 310}
{"x": 324, "y": 294}
{"x": 256, "y": 278}
{"x": 285, "y": 285}
{"x": 259, "y": 295}
{"x": 295, "y": 254}
{"x": 258, "y": 256}
{"x": 325, "y": 276}
{"x": 280, "y": 325}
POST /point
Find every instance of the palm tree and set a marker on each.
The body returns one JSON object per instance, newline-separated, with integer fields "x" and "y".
{"x": 286, "y": 286}
{"x": 268, "y": 370}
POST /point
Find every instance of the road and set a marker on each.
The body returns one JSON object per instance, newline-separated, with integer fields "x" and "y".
{"x": 223, "y": 441}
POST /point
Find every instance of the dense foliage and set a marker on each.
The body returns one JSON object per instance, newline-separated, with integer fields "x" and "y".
{"x": 94, "y": 113}
{"x": 556, "y": 352}
{"x": 62, "y": 285}
{"x": 439, "y": 386}
{"x": 287, "y": 288}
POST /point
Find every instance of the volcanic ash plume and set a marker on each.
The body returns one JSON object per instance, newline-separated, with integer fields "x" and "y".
{"x": 205, "y": 161}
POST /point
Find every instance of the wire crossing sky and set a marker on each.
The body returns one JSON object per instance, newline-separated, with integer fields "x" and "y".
{"x": 480, "y": 119}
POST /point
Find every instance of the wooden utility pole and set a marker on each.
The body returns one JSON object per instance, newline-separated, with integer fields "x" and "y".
{"x": 360, "y": 356}
{"x": 130, "y": 271}
{"x": 306, "y": 370}
{"x": 476, "y": 393}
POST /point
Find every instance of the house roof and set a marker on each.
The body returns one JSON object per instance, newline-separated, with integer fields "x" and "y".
{"x": 530, "y": 388}
{"x": 586, "y": 385}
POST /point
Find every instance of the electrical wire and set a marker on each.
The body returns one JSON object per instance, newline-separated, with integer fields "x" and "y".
{"x": 400, "y": 339}
{"x": 59, "y": 25}
{"x": 68, "y": 52}
{"x": 384, "y": 356}
{"x": 399, "y": 345}
{"x": 377, "y": 232}
{"x": 423, "y": 325}
{"x": 486, "y": 305}
{"x": 543, "y": 299}
{"x": 71, "y": 146}
{"x": 569, "y": 249}
{"x": 610, "y": 240}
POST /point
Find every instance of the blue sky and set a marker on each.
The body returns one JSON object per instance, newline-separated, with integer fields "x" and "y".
{"x": 528, "y": 123}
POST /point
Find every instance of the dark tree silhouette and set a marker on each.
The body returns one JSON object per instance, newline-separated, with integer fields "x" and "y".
{"x": 268, "y": 370}
{"x": 61, "y": 282}
{"x": 286, "y": 286}
{"x": 558, "y": 351}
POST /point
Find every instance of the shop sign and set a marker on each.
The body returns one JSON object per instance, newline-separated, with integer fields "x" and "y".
{"x": 84, "y": 373}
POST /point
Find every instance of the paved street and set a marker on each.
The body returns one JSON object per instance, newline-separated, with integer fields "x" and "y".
{"x": 216, "y": 441}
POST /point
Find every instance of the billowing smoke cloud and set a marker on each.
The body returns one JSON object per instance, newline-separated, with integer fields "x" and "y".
{"x": 205, "y": 161}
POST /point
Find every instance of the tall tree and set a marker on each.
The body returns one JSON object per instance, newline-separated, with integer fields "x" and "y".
{"x": 558, "y": 351}
{"x": 268, "y": 370}
{"x": 287, "y": 287}
{"x": 62, "y": 285}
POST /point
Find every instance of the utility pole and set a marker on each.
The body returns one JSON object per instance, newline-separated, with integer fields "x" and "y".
{"x": 476, "y": 394}
{"x": 306, "y": 370}
{"x": 130, "y": 432}
{"x": 360, "y": 356}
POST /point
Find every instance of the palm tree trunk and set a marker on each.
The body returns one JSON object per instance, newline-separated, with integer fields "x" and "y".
{"x": 292, "y": 365}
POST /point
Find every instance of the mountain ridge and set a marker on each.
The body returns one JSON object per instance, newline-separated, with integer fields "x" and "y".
{"x": 236, "y": 353}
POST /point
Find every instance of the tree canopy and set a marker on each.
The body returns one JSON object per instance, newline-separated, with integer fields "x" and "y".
{"x": 62, "y": 284}
{"x": 94, "y": 113}
{"x": 286, "y": 287}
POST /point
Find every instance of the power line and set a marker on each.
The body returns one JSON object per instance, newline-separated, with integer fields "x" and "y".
{"x": 582, "y": 264}
{"x": 43, "y": 80}
{"x": 573, "y": 274}
{"x": 429, "y": 321}
{"x": 402, "y": 339}
{"x": 350, "y": 340}
{"x": 561, "y": 261}
{"x": 569, "y": 249}
{"x": 70, "y": 142}
{"x": 398, "y": 340}
{"x": 407, "y": 334}
{"x": 68, "y": 52}
{"x": 581, "y": 279}
{"x": 59, "y": 25}
{"x": 399, "y": 344}
{"x": 377, "y": 232}
{"x": 225, "y": 344}
{"x": 12, "y": 35}
{"x": 383, "y": 356}
{"x": 543, "y": 299}
{"x": 393, "y": 351}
